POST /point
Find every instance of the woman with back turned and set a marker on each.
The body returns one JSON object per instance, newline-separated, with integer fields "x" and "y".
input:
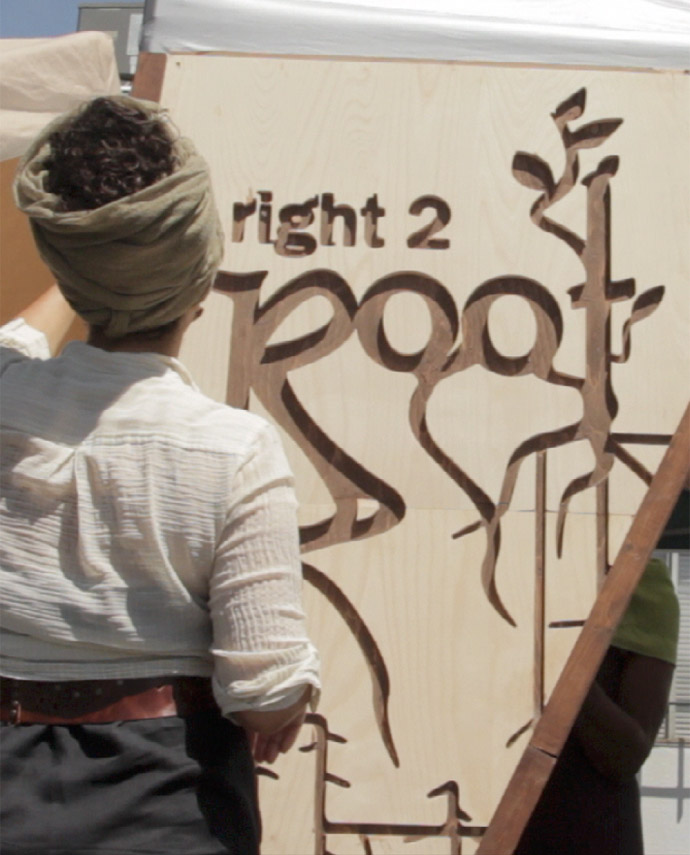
{"x": 152, "y": 630}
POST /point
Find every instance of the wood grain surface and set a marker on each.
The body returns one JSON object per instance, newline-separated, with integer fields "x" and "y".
{"x": 461, "y": 293}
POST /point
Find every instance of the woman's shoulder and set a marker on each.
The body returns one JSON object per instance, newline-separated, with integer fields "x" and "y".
{"x": 185, "y": 413}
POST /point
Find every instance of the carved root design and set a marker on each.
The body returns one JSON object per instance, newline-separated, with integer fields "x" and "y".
{"x": 367, "y": 643}
{"x": 594, "y": 296}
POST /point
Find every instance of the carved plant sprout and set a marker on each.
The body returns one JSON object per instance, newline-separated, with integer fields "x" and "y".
{"x": 595, "y": 295}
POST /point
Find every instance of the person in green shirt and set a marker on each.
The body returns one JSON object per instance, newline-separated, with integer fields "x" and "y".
{"x": 591, "y": 803}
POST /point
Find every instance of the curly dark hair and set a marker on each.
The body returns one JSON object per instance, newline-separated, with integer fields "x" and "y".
{"x": 110, "y": 150}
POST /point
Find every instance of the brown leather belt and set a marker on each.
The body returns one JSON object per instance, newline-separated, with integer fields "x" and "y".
{"x": 101, "y": 701}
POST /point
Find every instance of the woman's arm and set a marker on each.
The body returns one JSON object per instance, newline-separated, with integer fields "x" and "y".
{"x": 51, "y": 314}
{"x": 617, "y": 737}
{"x": 266, "y": 668}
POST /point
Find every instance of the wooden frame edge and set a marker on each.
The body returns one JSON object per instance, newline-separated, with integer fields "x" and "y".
{"x": 148, "y": 79}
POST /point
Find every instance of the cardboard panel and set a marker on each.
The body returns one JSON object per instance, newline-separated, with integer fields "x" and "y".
{"x": 461, "y": 292}
{"x": 23, "y": 276}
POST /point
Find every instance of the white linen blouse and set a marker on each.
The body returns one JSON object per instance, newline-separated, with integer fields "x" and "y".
{"x": 146, "y": 529}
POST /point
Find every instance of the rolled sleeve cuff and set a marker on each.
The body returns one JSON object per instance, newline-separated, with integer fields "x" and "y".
{"x": 274, "y": 688}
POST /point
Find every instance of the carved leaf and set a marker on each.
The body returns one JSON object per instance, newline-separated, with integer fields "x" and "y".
{"x": 571, "y": 108}
{"x": 608, "y": 166}
{"x": 592, "y": 134}
{"x": 533, "y": 172}
{"x": 647, "y": 302}
{"x": 643, "y": 306}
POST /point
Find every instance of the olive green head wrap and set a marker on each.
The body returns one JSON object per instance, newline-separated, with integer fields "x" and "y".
{"x": 135, "y": 263}
{"x": 650, "y": 625}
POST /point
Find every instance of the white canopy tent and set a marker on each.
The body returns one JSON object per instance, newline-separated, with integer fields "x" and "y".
{"x": 623, "y": 33}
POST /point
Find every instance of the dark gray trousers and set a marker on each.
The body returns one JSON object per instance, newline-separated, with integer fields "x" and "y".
{"x": 156, "y": 787}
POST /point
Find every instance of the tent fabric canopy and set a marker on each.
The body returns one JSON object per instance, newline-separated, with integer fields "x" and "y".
{"x": 622, "y": 33}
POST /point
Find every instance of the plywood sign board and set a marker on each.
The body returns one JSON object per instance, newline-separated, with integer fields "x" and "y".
{"x": 462, "y": 293}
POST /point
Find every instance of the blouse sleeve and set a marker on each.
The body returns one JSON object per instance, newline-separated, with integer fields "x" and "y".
{"x": 20, "y": 341}
{"x": 263, "y": 658}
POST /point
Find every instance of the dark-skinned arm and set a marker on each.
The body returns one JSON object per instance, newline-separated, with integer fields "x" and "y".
{"x": 617, "y": 737}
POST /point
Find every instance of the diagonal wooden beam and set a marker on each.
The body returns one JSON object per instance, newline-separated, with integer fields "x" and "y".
{"x": 533, "y": 771}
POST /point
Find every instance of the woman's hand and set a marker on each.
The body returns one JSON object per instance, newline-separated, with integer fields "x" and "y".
{"x": 266, "y": 748}
{"x": 273, "y": 733}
